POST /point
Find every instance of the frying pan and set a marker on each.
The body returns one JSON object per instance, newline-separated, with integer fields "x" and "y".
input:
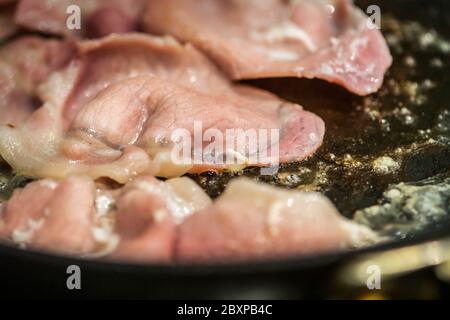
{"x": 360, "y": 128}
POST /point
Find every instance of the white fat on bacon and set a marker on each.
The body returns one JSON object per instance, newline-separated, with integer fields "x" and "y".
{"x": 287, "y": 30}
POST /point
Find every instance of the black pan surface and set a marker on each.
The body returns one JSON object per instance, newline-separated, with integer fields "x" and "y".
{"x": 407, "y": 120}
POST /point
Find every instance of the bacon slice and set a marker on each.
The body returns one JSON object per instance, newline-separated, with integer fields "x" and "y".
{"x": 151, "y": 221}
{"x": 148, "y": 212}
{"x": 135, "y": 223}
{"x": 256, "y": 221}
{"x": 51, "y": 216}
{"x": 113, "y": 111}
{"x": 24, "y": 65}
{"x": 325, "y": 39}
{"x": 98, "y": 17}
